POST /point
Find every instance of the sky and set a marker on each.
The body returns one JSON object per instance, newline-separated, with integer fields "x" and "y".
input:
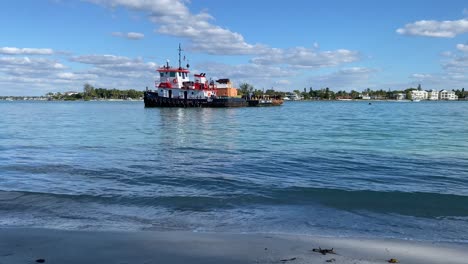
{"x": 59, "y": 45}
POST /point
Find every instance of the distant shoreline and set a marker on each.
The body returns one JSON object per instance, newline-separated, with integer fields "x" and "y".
{"x": 46, "y": 99}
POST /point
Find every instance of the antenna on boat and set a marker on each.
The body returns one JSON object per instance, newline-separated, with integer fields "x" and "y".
{"x": 180, "y": 50}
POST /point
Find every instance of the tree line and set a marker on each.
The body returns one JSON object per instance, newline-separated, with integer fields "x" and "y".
{"x": 92, "y": 93}
{"x": 328, "y": 94}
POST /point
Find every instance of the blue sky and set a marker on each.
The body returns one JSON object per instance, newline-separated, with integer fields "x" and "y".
{"x": 58, "y": 45}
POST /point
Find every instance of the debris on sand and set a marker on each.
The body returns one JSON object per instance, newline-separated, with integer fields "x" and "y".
{"x": 393, "y": 260}
{"x": 324, "y": 251}
{"x": 290, "y": 259}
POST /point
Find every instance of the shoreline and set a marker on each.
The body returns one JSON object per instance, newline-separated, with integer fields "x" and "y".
{"x": 26, "y": 245}
{"x": 286, "y": 101}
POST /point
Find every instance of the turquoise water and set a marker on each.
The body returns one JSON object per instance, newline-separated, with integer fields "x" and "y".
{"x": 388, "y": 169}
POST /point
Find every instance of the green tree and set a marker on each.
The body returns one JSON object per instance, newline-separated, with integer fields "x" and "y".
{"x": 354, "y": 94}
{"x": 460, "y": 93}
{"x": 88, "y": 91}
{"x": 305, "y": 95}
{"x": 409, "y": 96}
{"x": 245, "y": 89}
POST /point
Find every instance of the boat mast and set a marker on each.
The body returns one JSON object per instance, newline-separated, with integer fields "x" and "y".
{"x": 180, "y": 49}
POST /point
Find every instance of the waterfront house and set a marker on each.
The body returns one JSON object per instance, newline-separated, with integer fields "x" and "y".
{"x": 418, "y": 95}
{"x": 447, "y": 95}
{"x": 294, "y": 96}
{"x": 365, "y": 97}
{"x": 433, "y": 95}
{"x": 400, "y": 96}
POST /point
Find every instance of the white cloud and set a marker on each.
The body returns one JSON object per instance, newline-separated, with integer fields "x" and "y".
{"x": 261, "y": 76}
{"x": 25, "y": 66}
{"x": 174, "y": 18}
{"x": 198, "y": 29}
{"x": 307, "y": 58}
{"x": 454, "y": 75}
{"x": 457, "y": 64}
{"x": 42, "y": 75}
{"x": 129, "y": 35}
{"x": 354, "y": 78}
{"x": 33, "y": 76}
{"x": 100, "y": 59}
{"x": 76, "y": 76}
{"x": 25, "y": 51}
{"x": 156, "y": 7}
{"x": 439, "y": 81}
{"x": 462, "y": 47}
{"x": 119, "y": 71}
{"x": 243, "y": 71}
{"x": 433, "y": 28}
{"x": 111, "y": 65}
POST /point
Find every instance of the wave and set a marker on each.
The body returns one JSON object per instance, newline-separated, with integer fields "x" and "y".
{"x": 406, "y": 203}
{"x": 418, "y": 204}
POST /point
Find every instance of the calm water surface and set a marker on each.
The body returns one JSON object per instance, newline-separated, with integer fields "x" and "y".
{"x": 388, "y": 169}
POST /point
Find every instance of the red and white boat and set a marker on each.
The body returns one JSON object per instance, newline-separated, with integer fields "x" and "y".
{"x": 175, "y": 89}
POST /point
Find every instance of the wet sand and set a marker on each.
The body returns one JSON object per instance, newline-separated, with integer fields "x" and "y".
{"x": 23, "y": 245}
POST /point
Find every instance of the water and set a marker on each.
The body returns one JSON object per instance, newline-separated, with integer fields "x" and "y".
{"x": 322, "y": 168}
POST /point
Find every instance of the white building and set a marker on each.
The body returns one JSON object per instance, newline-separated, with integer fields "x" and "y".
{"x": 365, "y": 97}
{"x": 70, "y": 93}
{"x": 400, "y": 96}
{"x": 418, "y": 95}
{"x": 433, "y": 95}
{"x": 293, "y": 96}
{"x": 447, "y": 95}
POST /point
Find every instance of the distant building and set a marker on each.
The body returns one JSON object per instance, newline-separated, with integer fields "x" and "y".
{"x": 418, "y": 95}
{"x": 433, "y": 95}
{"x": 365, "y": 97}
{"x": 447, "y": 95}
{"x": 400, "y": 96}
{"x": 378, "y": 97}
{"x": 70, "y": 93}
{"x": 294, "y": 96}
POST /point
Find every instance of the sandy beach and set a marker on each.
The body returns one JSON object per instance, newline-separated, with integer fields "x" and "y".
{"x": 145, "y": 247}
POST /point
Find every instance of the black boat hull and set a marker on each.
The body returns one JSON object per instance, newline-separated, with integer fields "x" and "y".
{"x": 152, "y": 99}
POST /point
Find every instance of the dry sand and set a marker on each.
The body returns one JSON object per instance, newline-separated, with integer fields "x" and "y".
{"x": 20, "y": 245}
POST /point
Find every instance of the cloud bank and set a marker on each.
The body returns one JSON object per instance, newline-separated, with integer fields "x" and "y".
{"x": 25, "y": 51}
{"x": 433, "y": 28}
{"x": 174, "y": 18}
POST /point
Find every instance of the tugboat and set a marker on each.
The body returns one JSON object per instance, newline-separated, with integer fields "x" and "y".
{"x": 175, "y": 89}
